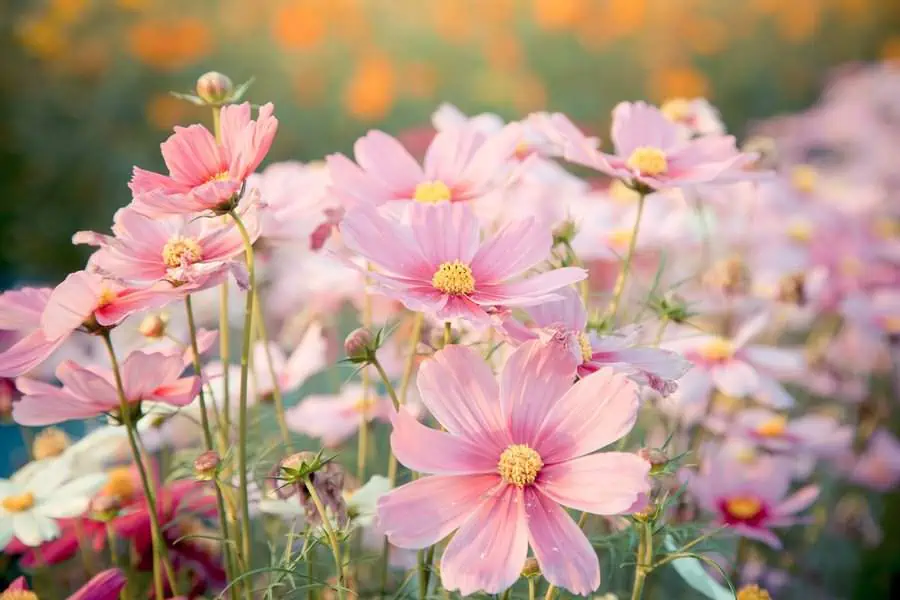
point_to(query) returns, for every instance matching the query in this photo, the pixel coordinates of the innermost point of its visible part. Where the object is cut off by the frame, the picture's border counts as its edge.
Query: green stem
(362, 445)
(160, 551)
(626, 266)
(276, 388)
(224, 356)
(387, 382)
(644, 560)
(505, 594)
(425, 571)
(448, 331)
(329, 533)
(532, 588)
(242, 404)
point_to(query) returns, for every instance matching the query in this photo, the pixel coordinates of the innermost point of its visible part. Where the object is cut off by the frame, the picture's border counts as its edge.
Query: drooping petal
(606, 483)
(798, 501)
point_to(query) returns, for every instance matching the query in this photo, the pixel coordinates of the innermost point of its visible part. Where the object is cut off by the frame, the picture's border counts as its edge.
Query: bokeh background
(83, 94)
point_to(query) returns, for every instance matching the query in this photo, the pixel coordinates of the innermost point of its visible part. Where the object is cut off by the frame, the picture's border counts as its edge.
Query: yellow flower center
(891, 324)
(753, 592)
(718, 349)
(181, 250)
(18, 595)
(120, 484)
(887, 228)
(746, 455)
(743, 507)
(800, 231)
(584, 343)
(621, 238)
(774, 427)
(50, 442)
(454, 278)
(431, 192)
(220, 176)
(648, 161)
(18, 503)
(620, 192)
(804, 178)
(677, 110)
(519, 465)
(107, 296)
(364, 405)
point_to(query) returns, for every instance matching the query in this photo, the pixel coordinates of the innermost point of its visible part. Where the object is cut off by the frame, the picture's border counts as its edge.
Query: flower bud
(50, 442)
(753, 592)
(154, 326)
(358, 343)
(564, 233)
(656, 457)
(214, 87)
(206, 466)
(531, 568)
(105, 507)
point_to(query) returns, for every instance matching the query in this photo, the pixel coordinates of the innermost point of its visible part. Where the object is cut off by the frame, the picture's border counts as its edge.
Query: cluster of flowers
(741, 309)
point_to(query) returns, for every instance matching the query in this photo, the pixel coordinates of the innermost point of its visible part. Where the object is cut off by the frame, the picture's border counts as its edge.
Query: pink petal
(445, 232)
(490, 160)
(534, 290)
(70, 304)
(87, 384)
(759, 534)
(595, 412)
(489, 550)
(180, 392)
(143, 373)
(192, 155)
(637, 124)
(307, 358)
(27, 353)
(606, 483)
(735, 378)
(428, 450)
(562, 550)
(569, 311)
(781, 362)
(385, 243)
(425, 511)
(50, 408)
(799, 501)
(383, 157)
(517, 247)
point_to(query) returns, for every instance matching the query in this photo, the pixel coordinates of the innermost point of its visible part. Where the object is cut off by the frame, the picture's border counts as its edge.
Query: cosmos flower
(206, 174)
(513, 454)
(334, 418)
(437, 264)
(307, 358)
(105, 585)
(820, 435)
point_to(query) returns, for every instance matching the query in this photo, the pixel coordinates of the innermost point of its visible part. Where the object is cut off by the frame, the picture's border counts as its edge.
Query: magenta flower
(84, 301)
(751, 501)
(205, 174)
(177, 249)
(651, 150)
(90, 392)
(334, 418)
(105, 585)
(437, 264)
(562, 323)
(513, 454)
(461, 164)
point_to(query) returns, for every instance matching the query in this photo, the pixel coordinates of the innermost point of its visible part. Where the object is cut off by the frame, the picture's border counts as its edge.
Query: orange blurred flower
(420, 80)
(558, 15)
(42, 37)
(299, 25)
(678, 82)
(370, 93)
(453, 20)
(165, 111)
(170, 44)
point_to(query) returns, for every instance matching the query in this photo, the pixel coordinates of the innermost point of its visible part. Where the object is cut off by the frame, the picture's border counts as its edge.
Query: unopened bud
(358, 343)
(753, 592)
(214, 87)
(154, 326)
(531, 568)
(105, 507)
(564, 233)
(50, 442)
(656, 457)
(206, 465)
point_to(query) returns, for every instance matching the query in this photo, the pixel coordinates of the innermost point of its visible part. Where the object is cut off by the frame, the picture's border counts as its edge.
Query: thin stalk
(114, 559)
(387, 383)
(329, 533)
(160, 552)
(626, 266)
(644, 560)
(242, 405)
(276, 388)
(362, 442)
(224, 350)
(532, 588)
(742, 554)
(506, 593)
(425, 571)
(448, 332)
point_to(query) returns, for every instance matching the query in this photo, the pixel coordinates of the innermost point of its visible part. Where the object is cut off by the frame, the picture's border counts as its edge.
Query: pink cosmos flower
(651, 151)
(334, 418)
(20, 313)
(751, 501)
(307, 358)
(82, 301)
(737, 368)
(437, 264)
(879, 466)
(90, 392)
(105, 585)
(562, 323)
(820, 435)
(178, 249)
(513, 454)
(462, 163)
(205, 174)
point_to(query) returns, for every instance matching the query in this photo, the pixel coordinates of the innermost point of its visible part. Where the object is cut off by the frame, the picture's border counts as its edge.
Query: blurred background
(84, 88)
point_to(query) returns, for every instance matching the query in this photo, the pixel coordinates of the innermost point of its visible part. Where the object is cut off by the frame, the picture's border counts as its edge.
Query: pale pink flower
(514, 453)
(878, 313)
(90, 392)
(20, 313)
(462, 163)
(562, 324)
(694, 117)
(205, 174)
(437, 263)
(751, 501)
(334, 418)
(738, 368)
(651, 151)
(879, 466)
(180, 249)
(819, 435)
(82, 301)
(290, 372)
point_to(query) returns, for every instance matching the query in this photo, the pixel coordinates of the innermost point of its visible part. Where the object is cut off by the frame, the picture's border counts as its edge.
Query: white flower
(33, 498)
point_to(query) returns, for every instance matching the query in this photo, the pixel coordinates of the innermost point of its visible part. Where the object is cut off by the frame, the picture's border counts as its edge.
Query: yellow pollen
(180, 250)
(220, 176)
(718, 349)
(19, 503)
(522, 148)
(364, 405)
(431, 192)
(891, 324)
(743, 507)
(585, 344)
(620, 238)
(676, 110)
(800, 231)
(746, 456)
(120, 484)
(19, 595)
(753, 592)
(804, 178)
(774, 427)
(519, 465)
(648, 161)
(620, 192)
(454, 278)
(887, 228)
(50, 442)
(107, 296)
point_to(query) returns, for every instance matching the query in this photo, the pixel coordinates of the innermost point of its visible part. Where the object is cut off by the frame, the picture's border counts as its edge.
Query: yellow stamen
(746, 455)
(519, 465)
(753, 592)
(773, 427)
(584, 343)
(50, 442)
(180, 250)
(743, 507)
(107, 296)
(120, 484)
(804, 178)
(677, 110)
(18, 595)
(454, 278)
(648, 161)
(800, 231)
(718, 349)
(220, 176)
(18, 503)
(432, 192)
(620, 238)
